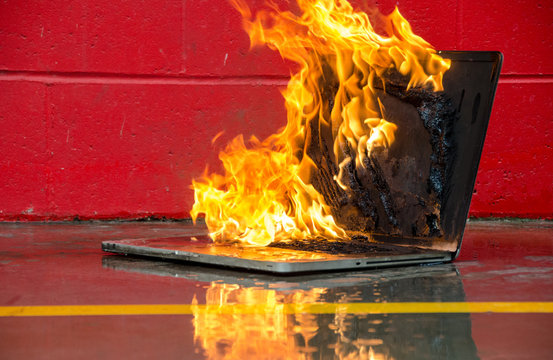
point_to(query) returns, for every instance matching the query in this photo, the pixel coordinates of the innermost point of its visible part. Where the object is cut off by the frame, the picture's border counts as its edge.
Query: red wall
(107, 108)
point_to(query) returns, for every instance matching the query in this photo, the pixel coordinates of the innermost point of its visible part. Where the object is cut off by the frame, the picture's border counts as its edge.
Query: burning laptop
(375, 166)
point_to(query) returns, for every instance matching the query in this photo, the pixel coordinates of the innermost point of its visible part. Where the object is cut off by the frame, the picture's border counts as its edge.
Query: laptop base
(272, 259)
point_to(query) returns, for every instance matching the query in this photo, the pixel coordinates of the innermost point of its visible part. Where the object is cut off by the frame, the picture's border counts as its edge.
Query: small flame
(265, 194)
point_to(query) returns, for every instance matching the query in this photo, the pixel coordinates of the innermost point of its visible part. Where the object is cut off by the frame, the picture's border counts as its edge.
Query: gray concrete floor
(62, 297)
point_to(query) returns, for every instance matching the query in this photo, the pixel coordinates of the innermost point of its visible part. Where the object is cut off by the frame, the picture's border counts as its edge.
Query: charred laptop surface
(416, 192)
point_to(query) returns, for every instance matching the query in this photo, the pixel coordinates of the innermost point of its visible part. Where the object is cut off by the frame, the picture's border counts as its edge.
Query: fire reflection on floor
(225, 329)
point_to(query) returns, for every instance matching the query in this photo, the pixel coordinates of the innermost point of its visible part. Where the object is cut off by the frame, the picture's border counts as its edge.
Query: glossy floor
(61, 297)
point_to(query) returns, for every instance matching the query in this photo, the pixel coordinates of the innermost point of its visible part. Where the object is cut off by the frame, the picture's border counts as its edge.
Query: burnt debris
(399, 190)
(357, 245)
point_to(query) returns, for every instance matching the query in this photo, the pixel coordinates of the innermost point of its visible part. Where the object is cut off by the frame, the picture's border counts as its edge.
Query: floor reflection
(224, 330)
(273, 334)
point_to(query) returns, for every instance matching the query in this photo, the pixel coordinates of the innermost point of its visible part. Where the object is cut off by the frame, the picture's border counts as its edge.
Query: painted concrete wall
(107, 108)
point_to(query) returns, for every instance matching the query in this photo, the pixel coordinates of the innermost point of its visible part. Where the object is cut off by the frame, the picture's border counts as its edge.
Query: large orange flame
(265, 194)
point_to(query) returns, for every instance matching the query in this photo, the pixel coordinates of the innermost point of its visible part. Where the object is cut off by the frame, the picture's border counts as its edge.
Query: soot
(399, 190)
(357, 245)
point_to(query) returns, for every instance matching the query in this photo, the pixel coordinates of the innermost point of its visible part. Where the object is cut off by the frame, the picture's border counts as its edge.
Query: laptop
(470, 85)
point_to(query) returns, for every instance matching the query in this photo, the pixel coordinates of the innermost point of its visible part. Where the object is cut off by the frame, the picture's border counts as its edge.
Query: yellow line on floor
(310, 308)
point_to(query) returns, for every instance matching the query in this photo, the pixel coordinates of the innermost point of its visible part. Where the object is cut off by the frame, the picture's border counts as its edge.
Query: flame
(265, 194)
